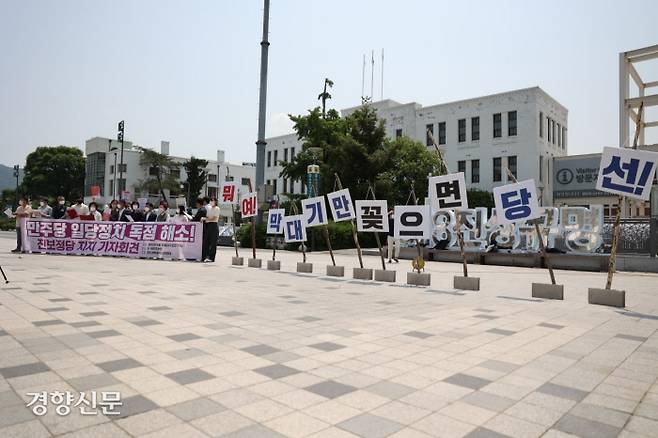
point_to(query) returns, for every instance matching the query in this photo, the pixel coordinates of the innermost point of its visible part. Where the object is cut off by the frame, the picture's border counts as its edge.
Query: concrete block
(417, 279)
(274, 265)
(254, 263)
(548, 291)
(362, 273)
(466, 283)
(382, 275)
(238, 261)
(607, 297)
(304, 267)
(335, 271)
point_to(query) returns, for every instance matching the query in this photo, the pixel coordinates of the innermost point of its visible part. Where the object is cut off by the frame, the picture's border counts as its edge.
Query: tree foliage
(54, 171)
(195, 168)
(357, 149)
(160, 167)
(480, 198)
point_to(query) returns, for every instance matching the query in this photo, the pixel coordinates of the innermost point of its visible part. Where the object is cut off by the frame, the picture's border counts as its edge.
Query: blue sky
(187, 71)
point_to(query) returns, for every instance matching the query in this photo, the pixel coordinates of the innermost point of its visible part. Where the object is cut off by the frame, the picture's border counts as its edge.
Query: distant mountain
(7, 180)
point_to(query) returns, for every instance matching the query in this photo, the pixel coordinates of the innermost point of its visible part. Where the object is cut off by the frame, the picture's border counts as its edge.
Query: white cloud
(278, 124)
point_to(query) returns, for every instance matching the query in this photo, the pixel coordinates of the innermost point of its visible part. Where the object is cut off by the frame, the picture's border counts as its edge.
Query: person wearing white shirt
(181, 217)
(80, 208)
(211, 229)
(44, 211)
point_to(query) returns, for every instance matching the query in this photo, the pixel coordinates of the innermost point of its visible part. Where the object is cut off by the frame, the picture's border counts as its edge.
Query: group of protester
(123, 211)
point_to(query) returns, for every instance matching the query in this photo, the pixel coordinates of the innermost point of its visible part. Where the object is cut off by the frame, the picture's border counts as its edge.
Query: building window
(111, 169)
(548, 129)
(285, 155)
(442, 132)
(511, 123)
(564, 137)
(276, 158)
(123, 167)
(429, 133)
(269, 182)
(553, 130)
(559, 135)
(497, 169)
(269, 158)
(398, 133)
(511, 165)
(229, 178)
(497, 125)
(274, 181)
(292, 154)
(475, 128)
(475, 171)
(212, 192)
(212, 177)
(245, 181)
(285, 185)
(461, 166)
(541, 124)
(541, 168)
(461, 130)
(175, 172)
(154, 170)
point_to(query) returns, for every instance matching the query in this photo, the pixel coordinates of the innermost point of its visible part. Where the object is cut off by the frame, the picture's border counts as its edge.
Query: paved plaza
(213, 350)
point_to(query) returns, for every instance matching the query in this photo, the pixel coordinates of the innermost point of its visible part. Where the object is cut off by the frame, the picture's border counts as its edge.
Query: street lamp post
(114, 178)
(120, 135)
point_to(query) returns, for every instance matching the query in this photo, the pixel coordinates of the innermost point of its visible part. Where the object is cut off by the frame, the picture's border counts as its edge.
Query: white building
(102, 170)
(521, 130)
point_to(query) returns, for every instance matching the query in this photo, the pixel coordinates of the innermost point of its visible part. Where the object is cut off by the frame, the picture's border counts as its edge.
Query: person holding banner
(23, 211)
(44, 211)
(59, 210)
(163, 212)
(211, 230)
(200, 216)
(93, 211)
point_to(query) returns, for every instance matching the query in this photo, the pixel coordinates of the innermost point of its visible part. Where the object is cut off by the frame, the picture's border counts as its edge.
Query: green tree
(480, 198)
(54, 171)
(195, 168)
(160, 173)
(325, 94)
(408, 164)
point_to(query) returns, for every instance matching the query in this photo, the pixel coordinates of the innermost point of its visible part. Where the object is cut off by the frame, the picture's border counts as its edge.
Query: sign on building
(371, 216)
(315, 211)
(627, 172)
(516, 202)
(448, 191)
(341, 205)
(412, 222)
(294, 229)
(576, 177)
(275, 220)
(249, 205)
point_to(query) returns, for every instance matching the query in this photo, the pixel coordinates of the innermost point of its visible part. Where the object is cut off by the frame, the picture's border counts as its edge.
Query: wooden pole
(326, 237)
(354, 235)
(379, 243)
(294, 208)
(235, 237)
(622, 203)
(420, 253)
(458, 230)
(542, 247)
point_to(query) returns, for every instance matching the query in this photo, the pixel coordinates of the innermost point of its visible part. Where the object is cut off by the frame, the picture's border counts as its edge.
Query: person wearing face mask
(123, 211)
(44, 211)
(23, 211)
(114, 211)
(181, 216)
(59, 210)
(200, 216)
(211, 230)
(163, 212)
(93, 211)
(136, 213)
(149, 214)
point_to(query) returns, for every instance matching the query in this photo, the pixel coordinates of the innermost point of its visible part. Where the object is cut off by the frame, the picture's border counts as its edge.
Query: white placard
(516, 202)
(627, 172)
(448, 191)
(371, 215)
(412, 222)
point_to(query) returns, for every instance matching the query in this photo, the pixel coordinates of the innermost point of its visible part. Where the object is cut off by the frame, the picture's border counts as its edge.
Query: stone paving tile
(277, 371)
(182, 337)
(467, 381)
(93, 382)
(631, 337)
(260, 350)
(418, 334)
(370, 426)
(327, 346)
(255, 431)
(562, 391)
(197, 408)
(48, 322)
(586, 428)
(483, 432)
(136, 404)
(118, 365)
(94, 313)
(104, 334)
(24, 370)
(330, 389)
(551, 325)
(188, 376)
(503, 332)
(83, 324)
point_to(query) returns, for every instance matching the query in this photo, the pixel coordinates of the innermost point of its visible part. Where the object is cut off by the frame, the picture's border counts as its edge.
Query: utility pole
(260, 143)
(120, 138)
